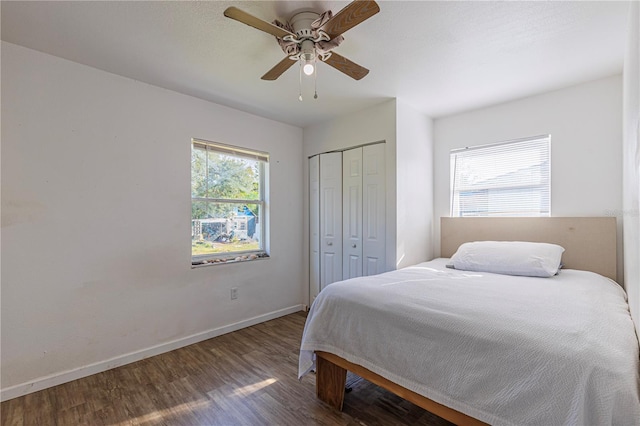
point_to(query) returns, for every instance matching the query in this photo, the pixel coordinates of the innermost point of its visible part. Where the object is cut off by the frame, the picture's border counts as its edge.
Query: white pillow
(509, 258)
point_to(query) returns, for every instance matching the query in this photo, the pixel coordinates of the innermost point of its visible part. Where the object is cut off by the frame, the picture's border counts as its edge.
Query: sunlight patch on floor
(161, 414)
(249, 389)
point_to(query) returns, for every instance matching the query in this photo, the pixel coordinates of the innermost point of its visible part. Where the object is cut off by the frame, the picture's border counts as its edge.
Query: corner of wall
(414, 165)
(631, 164)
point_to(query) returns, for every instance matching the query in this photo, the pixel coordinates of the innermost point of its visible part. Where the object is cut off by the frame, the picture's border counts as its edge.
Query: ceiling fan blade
(353, 14)
(280, 67)
(344, 65)
(252, 21)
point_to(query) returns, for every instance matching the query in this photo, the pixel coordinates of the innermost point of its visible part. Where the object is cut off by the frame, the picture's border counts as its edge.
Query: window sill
(240, 258)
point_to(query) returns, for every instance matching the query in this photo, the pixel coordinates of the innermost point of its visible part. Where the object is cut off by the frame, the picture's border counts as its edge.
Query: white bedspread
(505, 350)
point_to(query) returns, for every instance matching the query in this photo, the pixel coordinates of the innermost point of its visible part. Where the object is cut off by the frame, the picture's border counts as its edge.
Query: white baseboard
(98, 367)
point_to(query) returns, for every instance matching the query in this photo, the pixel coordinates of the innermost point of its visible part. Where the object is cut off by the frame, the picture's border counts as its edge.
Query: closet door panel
(374, 215)
(330, 218)
(352, 213)
(314, 227)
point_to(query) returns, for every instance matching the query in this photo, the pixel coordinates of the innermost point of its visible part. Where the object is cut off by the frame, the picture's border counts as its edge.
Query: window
(227, 203)
(503, 179)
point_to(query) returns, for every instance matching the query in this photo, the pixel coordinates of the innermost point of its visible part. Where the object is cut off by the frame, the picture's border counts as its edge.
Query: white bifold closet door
(330, 218)
(352, 213)
(347, 219)
(363, 211)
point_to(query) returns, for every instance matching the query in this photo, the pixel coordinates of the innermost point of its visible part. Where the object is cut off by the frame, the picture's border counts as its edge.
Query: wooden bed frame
(590, 245)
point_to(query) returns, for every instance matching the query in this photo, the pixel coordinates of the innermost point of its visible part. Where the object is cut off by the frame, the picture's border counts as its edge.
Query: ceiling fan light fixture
(308, 67)
(308, 57)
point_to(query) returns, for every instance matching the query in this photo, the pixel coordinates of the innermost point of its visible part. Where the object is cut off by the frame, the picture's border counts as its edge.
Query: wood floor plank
(248, 377)
(13, 410)
(45, 408)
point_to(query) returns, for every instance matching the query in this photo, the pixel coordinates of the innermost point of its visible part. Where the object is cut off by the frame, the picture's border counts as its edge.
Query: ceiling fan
(310, 36)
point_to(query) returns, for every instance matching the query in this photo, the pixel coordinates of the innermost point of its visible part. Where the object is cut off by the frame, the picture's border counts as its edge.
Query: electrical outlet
(234, 293)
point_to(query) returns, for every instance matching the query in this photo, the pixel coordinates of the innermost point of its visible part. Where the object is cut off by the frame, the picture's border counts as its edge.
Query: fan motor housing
(301, 23)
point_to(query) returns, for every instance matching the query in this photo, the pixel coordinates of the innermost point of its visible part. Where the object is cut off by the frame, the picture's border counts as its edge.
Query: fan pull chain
(300, 82)
(315, 79)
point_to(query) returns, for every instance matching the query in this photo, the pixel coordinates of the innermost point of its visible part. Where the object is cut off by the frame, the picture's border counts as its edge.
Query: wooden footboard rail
(331, 376)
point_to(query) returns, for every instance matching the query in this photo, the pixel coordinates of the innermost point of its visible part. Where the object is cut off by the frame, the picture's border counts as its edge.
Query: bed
(477, 348)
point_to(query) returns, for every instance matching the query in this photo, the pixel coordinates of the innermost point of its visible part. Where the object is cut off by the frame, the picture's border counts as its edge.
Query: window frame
(263, 164)
(545, 183)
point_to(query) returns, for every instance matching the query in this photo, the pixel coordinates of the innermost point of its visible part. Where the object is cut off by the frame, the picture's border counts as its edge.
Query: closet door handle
(329, 243)
(354, 246)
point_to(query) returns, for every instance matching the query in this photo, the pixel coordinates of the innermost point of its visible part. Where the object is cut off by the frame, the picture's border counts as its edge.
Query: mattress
(506, 350)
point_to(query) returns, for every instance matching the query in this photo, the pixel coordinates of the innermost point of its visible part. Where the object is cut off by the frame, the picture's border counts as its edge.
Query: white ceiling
(440, 57)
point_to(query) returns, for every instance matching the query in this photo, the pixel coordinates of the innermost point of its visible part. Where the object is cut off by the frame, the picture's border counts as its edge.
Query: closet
(346, 215)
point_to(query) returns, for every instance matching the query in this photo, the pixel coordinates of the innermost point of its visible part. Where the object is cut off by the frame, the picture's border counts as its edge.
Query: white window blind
(231, 150)
(504, 179)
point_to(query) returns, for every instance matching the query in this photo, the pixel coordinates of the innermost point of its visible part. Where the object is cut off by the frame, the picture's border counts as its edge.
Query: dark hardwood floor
(248, 377)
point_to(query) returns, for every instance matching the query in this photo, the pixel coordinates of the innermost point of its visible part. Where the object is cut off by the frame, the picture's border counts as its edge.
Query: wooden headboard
(589, 242)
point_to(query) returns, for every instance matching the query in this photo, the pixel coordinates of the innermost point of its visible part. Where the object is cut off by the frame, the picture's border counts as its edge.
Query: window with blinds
(227, 203)
(503, 179)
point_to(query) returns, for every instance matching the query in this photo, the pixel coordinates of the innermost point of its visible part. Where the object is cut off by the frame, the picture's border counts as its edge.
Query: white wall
(414, 193)
(631, 164)
(584, 122)
(96, 266)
